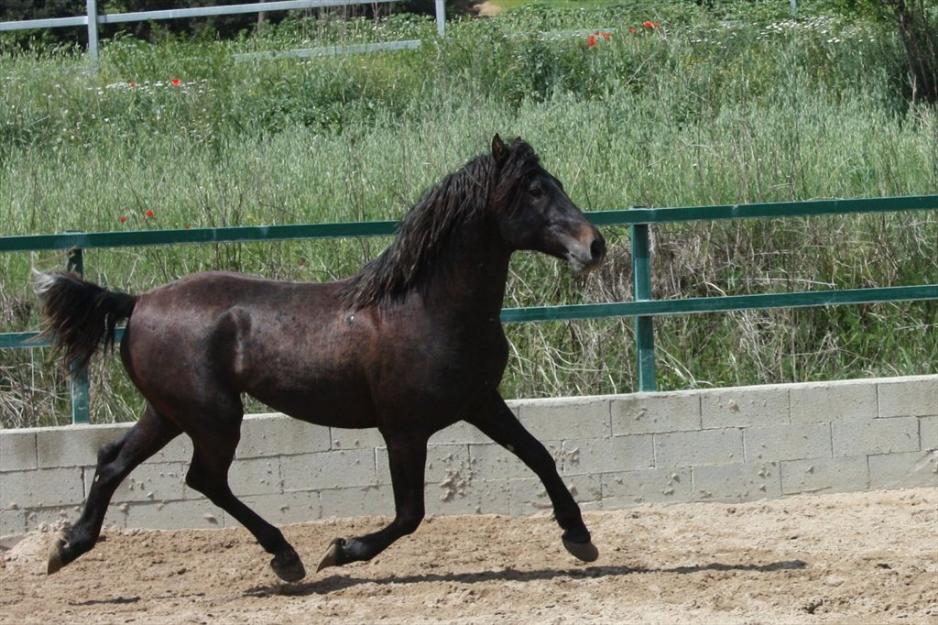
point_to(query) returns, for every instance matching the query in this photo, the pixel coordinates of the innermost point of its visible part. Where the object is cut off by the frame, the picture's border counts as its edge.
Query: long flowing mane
(460, 197)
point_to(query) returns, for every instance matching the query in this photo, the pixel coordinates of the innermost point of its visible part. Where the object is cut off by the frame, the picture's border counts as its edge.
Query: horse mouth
(580, 266)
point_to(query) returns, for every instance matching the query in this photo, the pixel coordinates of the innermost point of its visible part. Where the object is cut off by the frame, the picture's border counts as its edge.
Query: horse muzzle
(587, 251)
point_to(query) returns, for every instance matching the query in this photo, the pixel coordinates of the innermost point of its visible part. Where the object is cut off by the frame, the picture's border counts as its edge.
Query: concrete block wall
(731, 444)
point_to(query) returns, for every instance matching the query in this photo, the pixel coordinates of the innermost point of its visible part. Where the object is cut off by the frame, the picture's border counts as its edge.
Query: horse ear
(499, 150)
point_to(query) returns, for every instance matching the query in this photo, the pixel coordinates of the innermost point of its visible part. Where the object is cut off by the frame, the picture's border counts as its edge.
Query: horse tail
(80, 316)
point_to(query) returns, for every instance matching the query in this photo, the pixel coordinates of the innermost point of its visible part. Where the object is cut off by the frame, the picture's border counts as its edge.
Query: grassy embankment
(709, 108)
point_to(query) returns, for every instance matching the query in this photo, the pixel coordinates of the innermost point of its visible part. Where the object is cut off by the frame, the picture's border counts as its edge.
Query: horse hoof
(56, 555)
(586, 552)
(288, 566)
(333, 555)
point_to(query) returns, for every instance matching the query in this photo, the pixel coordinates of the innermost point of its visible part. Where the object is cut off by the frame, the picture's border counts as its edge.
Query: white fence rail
(92, 18)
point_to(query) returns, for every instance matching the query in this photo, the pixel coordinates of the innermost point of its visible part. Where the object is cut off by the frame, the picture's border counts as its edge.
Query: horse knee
(212, 488)
(195, 480)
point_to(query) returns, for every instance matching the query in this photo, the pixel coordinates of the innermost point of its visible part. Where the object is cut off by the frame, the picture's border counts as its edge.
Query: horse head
(535, 213)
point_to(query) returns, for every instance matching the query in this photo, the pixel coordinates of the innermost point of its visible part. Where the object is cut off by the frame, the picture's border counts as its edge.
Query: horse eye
(536, 190)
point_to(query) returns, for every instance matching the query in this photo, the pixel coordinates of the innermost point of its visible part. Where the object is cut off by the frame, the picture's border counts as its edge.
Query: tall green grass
(704, 109)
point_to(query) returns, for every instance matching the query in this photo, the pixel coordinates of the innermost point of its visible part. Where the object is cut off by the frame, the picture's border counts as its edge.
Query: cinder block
(475, 497)
(41, 488)
(529, 496)
(151, 481)
(877, 436)
(825, 402)
(838, 474)
(737, 482)
(365, 438)
(461, 496)
(440, 501)
(116, 515)
(12, 522)
(75, 445)
(178, 450)
(55, 516)
(282, 508)
(328, 469)
(745, 407)
(195, 513)
(557, 419)
(928, 432)
(788, 442)
(682, 449)
(648, 413)
(375, 500)
(459, 433)
(494, 462)
(18, 450)
(908, 470)
(444, 463)
(629, 488)
(255, 476)
(604, 455)
(276, 435)
(908, 398)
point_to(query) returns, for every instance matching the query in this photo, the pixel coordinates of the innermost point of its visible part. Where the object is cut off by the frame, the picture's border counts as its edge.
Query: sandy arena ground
(856, 558)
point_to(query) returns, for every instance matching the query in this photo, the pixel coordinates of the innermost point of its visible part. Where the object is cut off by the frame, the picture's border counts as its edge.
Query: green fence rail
(643, 308)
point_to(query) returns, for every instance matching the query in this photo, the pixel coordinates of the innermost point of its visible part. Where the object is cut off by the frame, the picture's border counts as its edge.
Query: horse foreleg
(407, 460)
(115, 461)
(498, 423)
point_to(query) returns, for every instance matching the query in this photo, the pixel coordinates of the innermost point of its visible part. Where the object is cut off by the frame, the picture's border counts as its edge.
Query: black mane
(460, 197)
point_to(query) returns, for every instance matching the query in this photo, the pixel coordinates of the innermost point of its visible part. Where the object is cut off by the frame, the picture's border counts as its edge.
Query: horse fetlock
(408, 525)
(288, 566)
(577, 534)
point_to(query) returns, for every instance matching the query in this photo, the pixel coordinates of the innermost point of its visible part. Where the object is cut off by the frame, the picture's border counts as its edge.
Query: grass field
(738, 105)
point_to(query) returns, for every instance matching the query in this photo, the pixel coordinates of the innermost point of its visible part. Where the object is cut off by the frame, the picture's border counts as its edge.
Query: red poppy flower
(607, 36)
(632, 30)
(649, 24)
(590, 41)
(175, 82)
(122, 219)
(149, 213)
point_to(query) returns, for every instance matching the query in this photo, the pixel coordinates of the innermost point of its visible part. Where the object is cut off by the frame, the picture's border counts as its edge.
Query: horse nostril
(598, 248)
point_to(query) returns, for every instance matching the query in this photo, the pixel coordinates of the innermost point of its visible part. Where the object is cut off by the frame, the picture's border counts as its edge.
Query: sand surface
(854, 558)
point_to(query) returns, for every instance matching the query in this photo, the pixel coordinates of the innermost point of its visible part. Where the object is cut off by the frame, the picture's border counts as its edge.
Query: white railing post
(794, 6)
(93, 30)
(440, 18)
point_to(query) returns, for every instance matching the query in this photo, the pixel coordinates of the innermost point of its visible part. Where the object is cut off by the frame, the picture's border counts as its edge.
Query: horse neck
(469, 279)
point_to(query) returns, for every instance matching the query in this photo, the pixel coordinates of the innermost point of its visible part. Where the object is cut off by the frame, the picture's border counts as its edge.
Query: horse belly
(330, 404)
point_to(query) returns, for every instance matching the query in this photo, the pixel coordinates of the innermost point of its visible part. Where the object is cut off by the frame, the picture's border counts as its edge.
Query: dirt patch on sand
(862, 557)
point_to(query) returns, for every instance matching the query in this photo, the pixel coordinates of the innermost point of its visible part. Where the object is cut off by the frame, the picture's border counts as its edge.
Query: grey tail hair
(80, 316)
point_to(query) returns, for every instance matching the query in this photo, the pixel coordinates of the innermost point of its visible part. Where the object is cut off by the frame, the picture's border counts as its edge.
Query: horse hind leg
(115, 461)
(208, 474)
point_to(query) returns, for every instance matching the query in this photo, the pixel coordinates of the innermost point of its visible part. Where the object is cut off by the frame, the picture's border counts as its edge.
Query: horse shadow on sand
(335, 583)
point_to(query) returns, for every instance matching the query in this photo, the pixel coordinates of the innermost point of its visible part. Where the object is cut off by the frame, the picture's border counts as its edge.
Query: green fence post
(644, 326)
(78, 376)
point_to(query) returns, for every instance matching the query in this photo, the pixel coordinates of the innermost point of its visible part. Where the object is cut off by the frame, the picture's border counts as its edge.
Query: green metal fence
(643, 308)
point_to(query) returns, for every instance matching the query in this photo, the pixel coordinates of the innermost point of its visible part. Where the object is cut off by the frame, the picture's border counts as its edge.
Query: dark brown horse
(410, 345)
